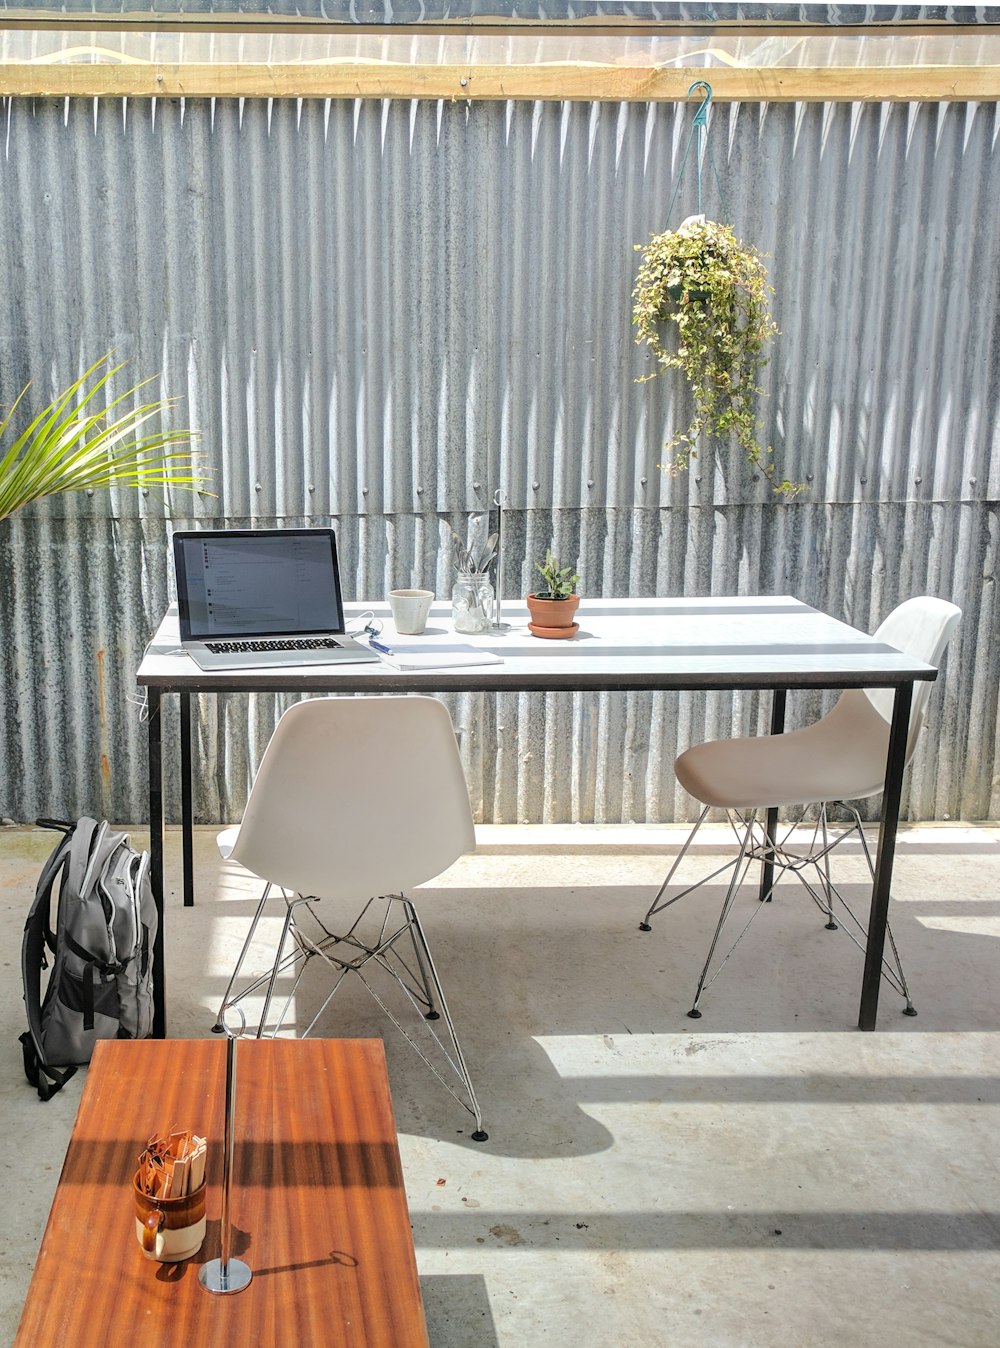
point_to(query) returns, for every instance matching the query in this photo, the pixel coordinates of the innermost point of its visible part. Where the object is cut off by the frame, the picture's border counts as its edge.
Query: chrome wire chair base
(811, 867)
(397, 946)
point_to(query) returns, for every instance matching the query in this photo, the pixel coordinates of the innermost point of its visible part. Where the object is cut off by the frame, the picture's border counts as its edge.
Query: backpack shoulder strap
(46, 1080)
(38, 934)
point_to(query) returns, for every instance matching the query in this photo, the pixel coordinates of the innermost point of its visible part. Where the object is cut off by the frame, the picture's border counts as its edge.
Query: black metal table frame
(485, 679)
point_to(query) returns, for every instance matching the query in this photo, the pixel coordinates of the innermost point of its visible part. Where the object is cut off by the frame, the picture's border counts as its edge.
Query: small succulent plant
(560, 581)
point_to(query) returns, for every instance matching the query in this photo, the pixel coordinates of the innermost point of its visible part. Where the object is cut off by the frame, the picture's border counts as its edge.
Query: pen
(377, 646)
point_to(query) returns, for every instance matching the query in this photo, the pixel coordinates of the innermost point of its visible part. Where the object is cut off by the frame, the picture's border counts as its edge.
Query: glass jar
(472, 603)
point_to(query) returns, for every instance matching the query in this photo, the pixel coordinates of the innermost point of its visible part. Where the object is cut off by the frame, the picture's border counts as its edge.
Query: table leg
(154, 731)
(771, 826)
(187, 812)
(891, 796)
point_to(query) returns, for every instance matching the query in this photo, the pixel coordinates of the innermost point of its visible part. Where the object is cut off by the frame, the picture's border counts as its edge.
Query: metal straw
(225, 1274)
(499, 500)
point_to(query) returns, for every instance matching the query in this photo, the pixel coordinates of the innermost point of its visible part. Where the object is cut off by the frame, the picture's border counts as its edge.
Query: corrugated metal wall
(381, 312)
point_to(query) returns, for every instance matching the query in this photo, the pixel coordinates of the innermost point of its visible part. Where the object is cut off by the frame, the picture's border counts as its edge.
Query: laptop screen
(257, 582)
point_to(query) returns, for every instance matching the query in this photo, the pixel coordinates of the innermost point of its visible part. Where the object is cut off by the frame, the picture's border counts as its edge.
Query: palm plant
(81, 442)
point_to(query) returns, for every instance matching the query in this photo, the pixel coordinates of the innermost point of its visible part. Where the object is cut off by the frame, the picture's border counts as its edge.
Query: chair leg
(902, 987)
(427, 961)
(219, 1026)
(656, 906)
(831, 922)
(422, 988)
(823, 891)
(419, 949)
(276, 966)
(418, 983)
(828, 892)
(739, 873)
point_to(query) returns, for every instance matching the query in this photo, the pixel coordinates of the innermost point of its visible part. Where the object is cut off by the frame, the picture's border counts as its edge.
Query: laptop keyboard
(279, 644)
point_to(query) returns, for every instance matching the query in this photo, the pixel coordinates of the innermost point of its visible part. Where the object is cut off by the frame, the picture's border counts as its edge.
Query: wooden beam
(548, 82)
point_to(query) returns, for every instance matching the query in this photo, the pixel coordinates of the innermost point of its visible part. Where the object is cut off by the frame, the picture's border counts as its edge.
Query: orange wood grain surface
(317, 1203)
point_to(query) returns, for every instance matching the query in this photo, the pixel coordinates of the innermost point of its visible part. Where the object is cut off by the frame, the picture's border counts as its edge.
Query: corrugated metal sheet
(380, 312)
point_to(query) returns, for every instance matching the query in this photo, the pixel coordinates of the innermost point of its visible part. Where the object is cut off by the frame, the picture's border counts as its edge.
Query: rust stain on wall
(100, 689)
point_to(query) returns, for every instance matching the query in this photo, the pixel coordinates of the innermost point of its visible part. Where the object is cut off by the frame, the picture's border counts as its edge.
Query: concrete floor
(767, 1175)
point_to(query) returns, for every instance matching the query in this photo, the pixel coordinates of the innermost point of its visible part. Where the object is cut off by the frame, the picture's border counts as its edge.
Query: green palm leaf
(79, 444)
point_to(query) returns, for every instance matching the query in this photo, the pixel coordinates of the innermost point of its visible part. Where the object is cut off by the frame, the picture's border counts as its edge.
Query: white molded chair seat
(358, 799)
(841, 757)
(226, 841)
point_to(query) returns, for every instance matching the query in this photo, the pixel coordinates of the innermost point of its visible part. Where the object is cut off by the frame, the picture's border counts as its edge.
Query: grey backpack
(101, 981)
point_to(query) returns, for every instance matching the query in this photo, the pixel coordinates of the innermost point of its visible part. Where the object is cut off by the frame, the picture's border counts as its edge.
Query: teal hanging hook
(700, 128)
(701, 116)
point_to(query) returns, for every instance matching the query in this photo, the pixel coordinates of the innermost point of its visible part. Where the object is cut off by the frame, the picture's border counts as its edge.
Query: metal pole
(225, 1274)
(499, 500)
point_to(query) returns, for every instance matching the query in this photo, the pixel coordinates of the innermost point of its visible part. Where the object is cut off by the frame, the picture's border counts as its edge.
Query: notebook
(261, 598)
(456, 655)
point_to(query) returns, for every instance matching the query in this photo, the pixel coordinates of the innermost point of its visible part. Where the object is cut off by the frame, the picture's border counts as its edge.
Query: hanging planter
(701, 306)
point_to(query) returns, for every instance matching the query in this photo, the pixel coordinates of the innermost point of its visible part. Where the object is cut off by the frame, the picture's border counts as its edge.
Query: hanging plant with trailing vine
(702, 307)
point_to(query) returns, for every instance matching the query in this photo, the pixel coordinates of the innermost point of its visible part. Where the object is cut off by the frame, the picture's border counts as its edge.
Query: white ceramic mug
(409, 610)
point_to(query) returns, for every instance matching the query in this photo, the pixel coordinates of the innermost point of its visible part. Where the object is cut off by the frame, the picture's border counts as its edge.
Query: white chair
(357, 799)
(839, 758)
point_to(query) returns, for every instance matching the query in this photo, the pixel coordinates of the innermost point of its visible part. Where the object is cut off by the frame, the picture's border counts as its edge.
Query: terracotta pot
(553, 617)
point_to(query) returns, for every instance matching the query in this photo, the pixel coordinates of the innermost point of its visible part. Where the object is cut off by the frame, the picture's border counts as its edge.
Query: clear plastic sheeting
(753, 49)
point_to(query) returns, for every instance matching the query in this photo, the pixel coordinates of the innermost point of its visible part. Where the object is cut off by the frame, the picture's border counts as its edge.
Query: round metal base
(233, 1278)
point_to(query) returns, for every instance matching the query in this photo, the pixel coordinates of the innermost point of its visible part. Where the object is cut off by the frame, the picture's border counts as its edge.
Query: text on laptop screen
(254, 584)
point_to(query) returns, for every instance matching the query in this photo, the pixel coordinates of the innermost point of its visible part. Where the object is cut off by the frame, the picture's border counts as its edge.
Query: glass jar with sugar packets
(472, 602)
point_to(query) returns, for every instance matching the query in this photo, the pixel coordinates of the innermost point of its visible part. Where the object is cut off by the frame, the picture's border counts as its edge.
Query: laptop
(262, 599)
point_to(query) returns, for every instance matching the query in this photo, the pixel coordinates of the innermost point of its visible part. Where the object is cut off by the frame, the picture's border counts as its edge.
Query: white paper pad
(439, 657)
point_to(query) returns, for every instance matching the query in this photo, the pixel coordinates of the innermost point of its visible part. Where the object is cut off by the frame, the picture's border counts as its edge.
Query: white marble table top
(721, 642)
